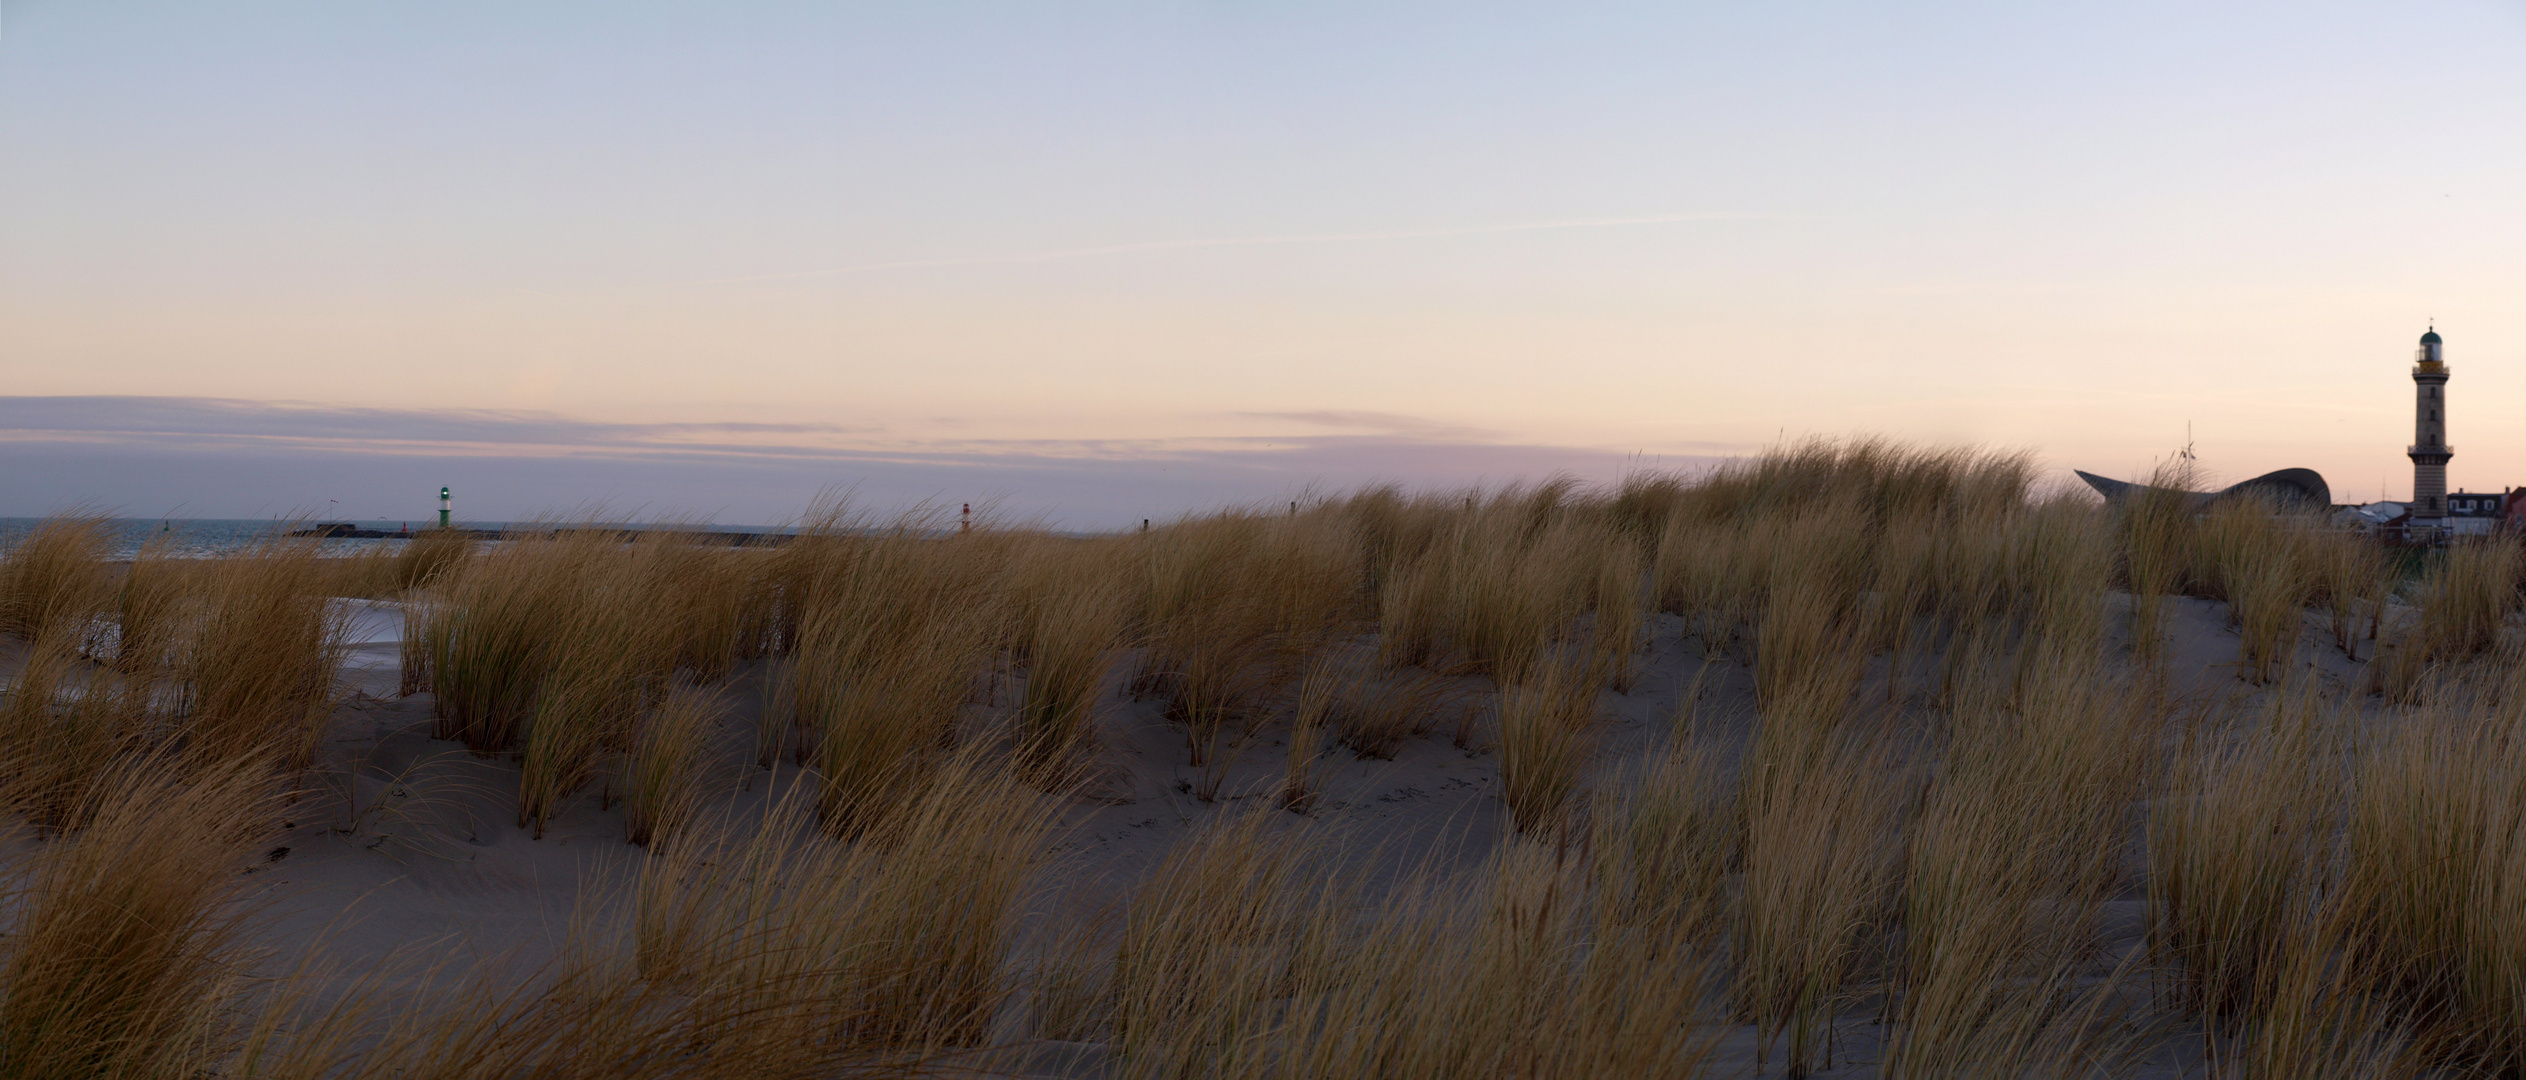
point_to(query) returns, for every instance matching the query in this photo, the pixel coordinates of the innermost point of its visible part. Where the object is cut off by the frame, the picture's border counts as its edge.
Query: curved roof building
(2289, 489)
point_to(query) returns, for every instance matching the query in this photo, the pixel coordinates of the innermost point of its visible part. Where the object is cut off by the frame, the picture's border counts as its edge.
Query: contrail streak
(1023, 258)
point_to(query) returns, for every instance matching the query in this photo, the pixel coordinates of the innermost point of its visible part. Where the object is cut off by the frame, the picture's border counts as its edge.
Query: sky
(1095, 262)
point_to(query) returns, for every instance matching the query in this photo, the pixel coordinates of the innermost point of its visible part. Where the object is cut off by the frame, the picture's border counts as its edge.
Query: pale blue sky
(936, 249)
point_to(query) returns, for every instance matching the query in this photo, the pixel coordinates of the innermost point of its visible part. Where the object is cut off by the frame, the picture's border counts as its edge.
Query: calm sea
(202, 537)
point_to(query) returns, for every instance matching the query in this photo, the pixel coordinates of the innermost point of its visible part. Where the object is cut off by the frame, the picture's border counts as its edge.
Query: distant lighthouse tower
(2429, 435)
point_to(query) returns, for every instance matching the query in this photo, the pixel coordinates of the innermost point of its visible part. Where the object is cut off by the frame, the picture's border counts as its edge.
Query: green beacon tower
(443, 506)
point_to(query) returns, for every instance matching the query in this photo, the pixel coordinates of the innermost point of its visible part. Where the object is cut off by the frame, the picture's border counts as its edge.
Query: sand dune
(1791, 791)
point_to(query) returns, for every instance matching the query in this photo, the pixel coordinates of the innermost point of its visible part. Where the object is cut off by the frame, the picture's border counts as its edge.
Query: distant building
(2285, 489)
(2369, 517)
(2469, 513)
(2432, 516)
(2476, 514)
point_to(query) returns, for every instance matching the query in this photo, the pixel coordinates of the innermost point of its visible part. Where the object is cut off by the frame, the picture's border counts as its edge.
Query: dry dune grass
(1373, 712)
(55, 579)
(890, 637)
(1248, 955)
(2231, 845)
(555, 647)
(1235, 604)
(762, 949)
(56, 750)
(178, 661)
(432, 554)
(2019, 843)
(1972, 803)
(1497, 587)
(259, 662)
(120, 955)
(2352, 580)
(150, 610)
(1490, 974)
(2158, 534)
(2264, 571)
(1824, 833)
(890, 942)
(1546, 736)
(2430, 879)
(1074, 632)
(2336, 902)
(1205, 946)
(662, 788)
(1664, 846)
(2464, 598)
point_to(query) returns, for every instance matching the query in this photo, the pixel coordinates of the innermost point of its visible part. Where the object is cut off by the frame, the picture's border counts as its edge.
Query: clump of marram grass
(1235, 602)
(662, 788)
(1621, 615)
(158, 593)
(1199, 962)
(2431, 876)
(119, 947)
(2464, 600)
(2327, 1017)
(892, 639)
(259, 666)
(217, 658)
(767, 951)
(1664, 845)
(54, 581)
(1503, 581)
(1825, 815)
(430, 555)
(1309, 717)
(2018, 845)
(1077, 634)
(1643, 504)
(2156, 528)
(1702, 572)
(2058, 576)
(414, 649)
(60, 732)
(1217, 667)
(1807, 623)
(704, 601)
(494, 631)
(2352, 582)
(877, 712)
(2260, 564)
(585, 707)
(554, 645)
(2235, 850)
(1374, 713)
(1547, 738)
(1490, 972)
(1722, 551)
(1901, 585)
(893, 942)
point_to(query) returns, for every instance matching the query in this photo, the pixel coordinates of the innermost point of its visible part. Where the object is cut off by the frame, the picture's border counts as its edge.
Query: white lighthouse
(2430, 451)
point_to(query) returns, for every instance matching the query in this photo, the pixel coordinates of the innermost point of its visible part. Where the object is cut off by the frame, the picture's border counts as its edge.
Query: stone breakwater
(347, 531)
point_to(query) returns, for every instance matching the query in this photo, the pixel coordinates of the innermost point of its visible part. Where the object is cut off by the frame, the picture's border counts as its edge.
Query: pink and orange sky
(1101, 262)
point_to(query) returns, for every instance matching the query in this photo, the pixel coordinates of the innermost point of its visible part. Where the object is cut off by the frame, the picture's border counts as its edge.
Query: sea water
(198, 538)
